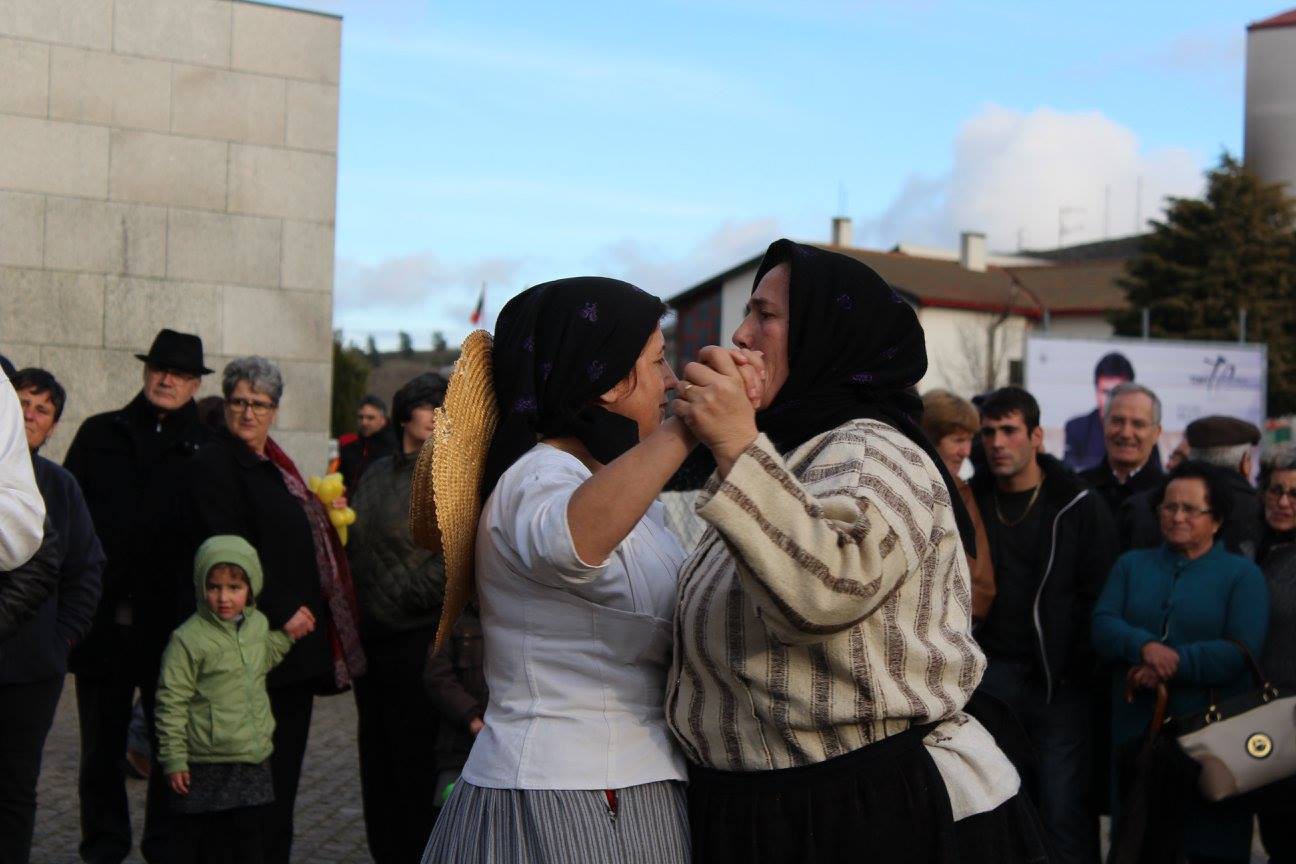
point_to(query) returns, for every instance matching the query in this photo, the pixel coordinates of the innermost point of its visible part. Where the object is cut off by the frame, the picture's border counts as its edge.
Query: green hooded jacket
(212, 704)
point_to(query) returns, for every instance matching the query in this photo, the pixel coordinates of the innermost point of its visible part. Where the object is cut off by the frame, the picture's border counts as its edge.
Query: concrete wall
(169, 163)
(1268, 147)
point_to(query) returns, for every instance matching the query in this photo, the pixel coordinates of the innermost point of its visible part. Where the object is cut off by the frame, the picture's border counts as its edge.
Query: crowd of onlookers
(98, 580)
(1089, 588)
(1124, 575)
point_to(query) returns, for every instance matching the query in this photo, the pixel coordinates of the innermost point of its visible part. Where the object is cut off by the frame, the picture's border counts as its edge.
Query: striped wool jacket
(827, 607)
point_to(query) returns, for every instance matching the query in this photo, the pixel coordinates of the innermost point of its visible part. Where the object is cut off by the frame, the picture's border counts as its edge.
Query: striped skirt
(561, 826)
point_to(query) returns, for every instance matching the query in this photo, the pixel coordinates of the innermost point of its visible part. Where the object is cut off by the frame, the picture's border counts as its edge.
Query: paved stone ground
(330, 824)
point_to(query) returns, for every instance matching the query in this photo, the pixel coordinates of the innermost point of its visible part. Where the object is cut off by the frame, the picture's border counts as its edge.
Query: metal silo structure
(1269, 147)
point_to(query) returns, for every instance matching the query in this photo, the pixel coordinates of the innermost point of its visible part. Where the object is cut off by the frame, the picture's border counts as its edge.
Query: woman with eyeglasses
(1276, 805)
(1171, 615)
(243, 483)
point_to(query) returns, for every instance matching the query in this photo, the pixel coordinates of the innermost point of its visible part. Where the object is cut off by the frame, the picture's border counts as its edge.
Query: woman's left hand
(339, 503)
(713, 400)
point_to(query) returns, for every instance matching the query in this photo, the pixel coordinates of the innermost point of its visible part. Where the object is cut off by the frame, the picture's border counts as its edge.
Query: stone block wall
(169, 163)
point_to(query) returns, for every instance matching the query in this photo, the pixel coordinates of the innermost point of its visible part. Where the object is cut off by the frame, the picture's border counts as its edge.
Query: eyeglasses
(259, 409)
(1190, 511)
(1278, 493)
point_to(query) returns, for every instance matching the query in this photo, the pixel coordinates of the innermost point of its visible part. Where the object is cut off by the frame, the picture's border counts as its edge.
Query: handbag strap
(1256, 673)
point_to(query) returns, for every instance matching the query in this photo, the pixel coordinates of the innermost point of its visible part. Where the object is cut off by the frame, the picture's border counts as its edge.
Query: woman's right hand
(1142, 677)
(713, 400)
(1163, 659)
(179, 782)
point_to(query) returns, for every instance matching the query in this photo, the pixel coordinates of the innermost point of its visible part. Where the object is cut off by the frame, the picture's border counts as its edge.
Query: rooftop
(1084, 286)
(1282, 19)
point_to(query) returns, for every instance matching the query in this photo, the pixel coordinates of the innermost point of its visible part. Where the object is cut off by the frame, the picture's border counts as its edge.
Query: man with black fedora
(130, 464)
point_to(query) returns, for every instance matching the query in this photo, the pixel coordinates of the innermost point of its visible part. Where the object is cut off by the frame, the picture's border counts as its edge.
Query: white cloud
(420, 292)
(1013, 172)
(417, 281)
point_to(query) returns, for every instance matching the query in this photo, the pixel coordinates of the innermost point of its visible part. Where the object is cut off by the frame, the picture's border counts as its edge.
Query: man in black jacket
(33, 662)
(399, 587)
(130, 466)
(1131, 427)
(375, 439)
(1053, 543)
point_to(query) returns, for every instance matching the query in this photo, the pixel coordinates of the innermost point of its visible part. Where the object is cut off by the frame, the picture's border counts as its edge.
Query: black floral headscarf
(855, 350)
(558, 346)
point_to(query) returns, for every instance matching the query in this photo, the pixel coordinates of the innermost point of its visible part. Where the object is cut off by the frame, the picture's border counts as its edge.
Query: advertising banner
(1070, 379)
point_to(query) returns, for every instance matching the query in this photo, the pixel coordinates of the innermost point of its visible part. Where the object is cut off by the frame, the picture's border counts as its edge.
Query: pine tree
(1235, 249)
(350, 378)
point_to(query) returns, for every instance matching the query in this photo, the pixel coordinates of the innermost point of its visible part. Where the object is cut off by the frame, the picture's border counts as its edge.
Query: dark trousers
(225, 837)
(1276, 811)
(104, 706)
(26, 714)
(1061, 733)
(396, 733)
(292, 706)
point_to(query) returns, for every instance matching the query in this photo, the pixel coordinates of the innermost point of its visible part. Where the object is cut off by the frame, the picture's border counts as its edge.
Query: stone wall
(169, 163)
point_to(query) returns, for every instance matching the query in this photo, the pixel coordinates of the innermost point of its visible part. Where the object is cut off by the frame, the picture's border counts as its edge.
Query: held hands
(717, 401)
(475, 725)
(301, 623)
(1161, 659)
(179, 782)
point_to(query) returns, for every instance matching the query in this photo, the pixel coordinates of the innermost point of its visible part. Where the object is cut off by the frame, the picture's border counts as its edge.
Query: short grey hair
(263, 376)
(1229, 456)
(1281, 458)
(1130, 387)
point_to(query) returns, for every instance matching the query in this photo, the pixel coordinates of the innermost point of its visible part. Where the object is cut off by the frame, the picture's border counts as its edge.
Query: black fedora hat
(182, 352)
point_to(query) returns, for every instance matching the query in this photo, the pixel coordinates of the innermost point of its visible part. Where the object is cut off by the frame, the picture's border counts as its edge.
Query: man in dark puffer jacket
(400, 588)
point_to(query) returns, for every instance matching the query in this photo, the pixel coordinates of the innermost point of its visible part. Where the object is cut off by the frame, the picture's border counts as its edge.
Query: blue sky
(662, 141)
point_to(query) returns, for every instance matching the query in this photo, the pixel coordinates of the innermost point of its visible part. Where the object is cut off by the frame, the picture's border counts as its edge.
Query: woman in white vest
(575, 577)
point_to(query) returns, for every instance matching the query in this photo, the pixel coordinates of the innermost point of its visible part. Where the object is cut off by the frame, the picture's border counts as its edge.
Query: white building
(975, 307)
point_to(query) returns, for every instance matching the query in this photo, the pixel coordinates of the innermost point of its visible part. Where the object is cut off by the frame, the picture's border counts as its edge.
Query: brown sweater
(983, 578)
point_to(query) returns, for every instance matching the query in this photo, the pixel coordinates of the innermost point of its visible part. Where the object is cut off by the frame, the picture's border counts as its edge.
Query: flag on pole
(481, 307)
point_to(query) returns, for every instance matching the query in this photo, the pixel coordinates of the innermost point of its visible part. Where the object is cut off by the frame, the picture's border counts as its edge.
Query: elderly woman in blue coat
(1170, 615)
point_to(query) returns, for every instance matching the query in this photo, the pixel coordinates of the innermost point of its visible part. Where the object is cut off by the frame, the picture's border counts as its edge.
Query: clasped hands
(717, 398)
(1160, 662)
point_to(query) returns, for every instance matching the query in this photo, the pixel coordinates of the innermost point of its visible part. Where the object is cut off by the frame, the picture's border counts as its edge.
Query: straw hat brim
(445, 493)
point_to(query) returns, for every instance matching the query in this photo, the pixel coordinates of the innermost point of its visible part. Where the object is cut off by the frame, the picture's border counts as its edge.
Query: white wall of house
(733, 301)
(958, 349)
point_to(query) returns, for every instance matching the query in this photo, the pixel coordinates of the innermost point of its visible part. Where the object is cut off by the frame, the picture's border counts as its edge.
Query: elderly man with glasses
(129, 463)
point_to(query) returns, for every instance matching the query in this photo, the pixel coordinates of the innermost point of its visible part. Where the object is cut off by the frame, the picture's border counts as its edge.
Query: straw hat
(445, 494)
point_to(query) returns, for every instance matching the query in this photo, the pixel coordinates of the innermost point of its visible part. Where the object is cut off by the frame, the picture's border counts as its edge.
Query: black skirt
(884, 802)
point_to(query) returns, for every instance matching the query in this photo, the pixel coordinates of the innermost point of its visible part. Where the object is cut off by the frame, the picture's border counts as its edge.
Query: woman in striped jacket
(823, 649)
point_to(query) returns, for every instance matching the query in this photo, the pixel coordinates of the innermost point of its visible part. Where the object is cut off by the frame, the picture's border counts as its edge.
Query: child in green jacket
(214, 724)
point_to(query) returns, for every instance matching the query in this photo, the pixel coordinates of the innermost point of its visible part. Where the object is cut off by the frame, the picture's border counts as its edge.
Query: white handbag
(1244, 743)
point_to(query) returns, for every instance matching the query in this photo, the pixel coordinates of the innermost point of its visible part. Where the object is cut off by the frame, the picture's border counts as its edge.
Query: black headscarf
(558, 346)
(855, 350)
